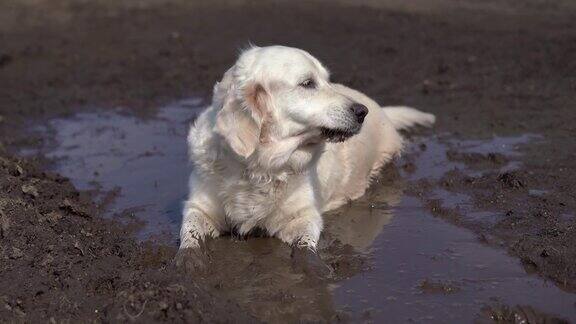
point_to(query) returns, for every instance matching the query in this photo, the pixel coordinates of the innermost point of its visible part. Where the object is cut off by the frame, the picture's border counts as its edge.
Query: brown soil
(60, 261)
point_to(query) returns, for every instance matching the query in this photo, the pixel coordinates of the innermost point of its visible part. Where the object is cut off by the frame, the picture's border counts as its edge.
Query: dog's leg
(203, 217)
(302, 232)
(196, 225)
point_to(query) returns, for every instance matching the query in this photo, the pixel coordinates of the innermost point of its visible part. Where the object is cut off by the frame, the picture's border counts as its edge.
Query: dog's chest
(246, 201)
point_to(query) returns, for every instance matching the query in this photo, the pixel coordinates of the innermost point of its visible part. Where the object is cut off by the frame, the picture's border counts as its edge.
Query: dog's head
(278, 103)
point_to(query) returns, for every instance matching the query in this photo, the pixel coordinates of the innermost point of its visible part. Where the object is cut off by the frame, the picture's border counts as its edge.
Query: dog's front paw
(308, 261)
(192, 259)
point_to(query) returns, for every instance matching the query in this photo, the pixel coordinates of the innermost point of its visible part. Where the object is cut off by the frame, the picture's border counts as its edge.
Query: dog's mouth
(333, 135)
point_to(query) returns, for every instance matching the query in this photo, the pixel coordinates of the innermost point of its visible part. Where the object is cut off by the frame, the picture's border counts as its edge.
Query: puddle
(419, 267)
(433, 155)
(537, 192)
(503, 145)
(145, 160)
(416, 251)
(416, 248)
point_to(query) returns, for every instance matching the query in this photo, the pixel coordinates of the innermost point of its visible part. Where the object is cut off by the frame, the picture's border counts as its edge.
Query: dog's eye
(308, 84)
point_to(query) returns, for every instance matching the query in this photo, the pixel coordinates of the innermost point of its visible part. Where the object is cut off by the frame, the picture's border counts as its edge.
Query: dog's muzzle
(336, 135)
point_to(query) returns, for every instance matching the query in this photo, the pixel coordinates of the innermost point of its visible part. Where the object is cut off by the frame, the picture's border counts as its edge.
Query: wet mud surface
(474, 223)
(60, 261)
(392, 259)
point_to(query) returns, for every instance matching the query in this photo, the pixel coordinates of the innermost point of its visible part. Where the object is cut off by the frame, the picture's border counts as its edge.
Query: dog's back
(346, 169)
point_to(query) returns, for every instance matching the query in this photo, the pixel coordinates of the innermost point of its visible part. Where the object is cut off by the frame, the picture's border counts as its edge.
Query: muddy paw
(192, 259)
(308, 261)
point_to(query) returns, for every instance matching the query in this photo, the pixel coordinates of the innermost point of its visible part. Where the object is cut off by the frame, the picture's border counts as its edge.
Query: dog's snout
(360, 111)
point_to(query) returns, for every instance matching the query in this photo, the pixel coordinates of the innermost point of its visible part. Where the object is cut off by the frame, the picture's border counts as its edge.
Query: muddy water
(425, 269)
(141, 163)
(393, 260)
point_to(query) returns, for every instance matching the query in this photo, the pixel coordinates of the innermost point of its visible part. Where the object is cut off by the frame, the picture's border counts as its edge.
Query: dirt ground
(505, 68)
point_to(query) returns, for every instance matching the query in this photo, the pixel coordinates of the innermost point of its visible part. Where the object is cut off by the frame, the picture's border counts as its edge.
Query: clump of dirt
(437, 287)
(511, 180)
(5, 59)
(61, 262)
(518, 314)
(478, 160)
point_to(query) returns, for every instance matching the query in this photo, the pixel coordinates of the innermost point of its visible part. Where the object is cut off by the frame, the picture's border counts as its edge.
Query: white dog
(280, 145)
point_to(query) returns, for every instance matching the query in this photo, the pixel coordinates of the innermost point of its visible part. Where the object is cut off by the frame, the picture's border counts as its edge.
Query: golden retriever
(280, 145)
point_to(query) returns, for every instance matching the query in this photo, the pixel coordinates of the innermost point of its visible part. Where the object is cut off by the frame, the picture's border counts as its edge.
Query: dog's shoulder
(201, 139)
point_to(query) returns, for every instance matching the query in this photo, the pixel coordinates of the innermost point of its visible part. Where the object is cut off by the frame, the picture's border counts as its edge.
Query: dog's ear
(242, 115)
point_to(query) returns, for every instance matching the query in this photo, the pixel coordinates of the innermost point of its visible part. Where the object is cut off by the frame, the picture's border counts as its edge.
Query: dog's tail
(406, 117)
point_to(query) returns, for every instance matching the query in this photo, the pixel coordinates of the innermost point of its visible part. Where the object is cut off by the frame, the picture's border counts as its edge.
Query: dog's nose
(360, 111)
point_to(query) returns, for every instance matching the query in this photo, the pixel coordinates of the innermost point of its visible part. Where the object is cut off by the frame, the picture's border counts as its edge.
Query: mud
(497, 172)
(392, 260)
(59, 261)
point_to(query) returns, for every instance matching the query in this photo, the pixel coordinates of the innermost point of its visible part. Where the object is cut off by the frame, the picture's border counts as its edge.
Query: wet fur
(261, 159)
